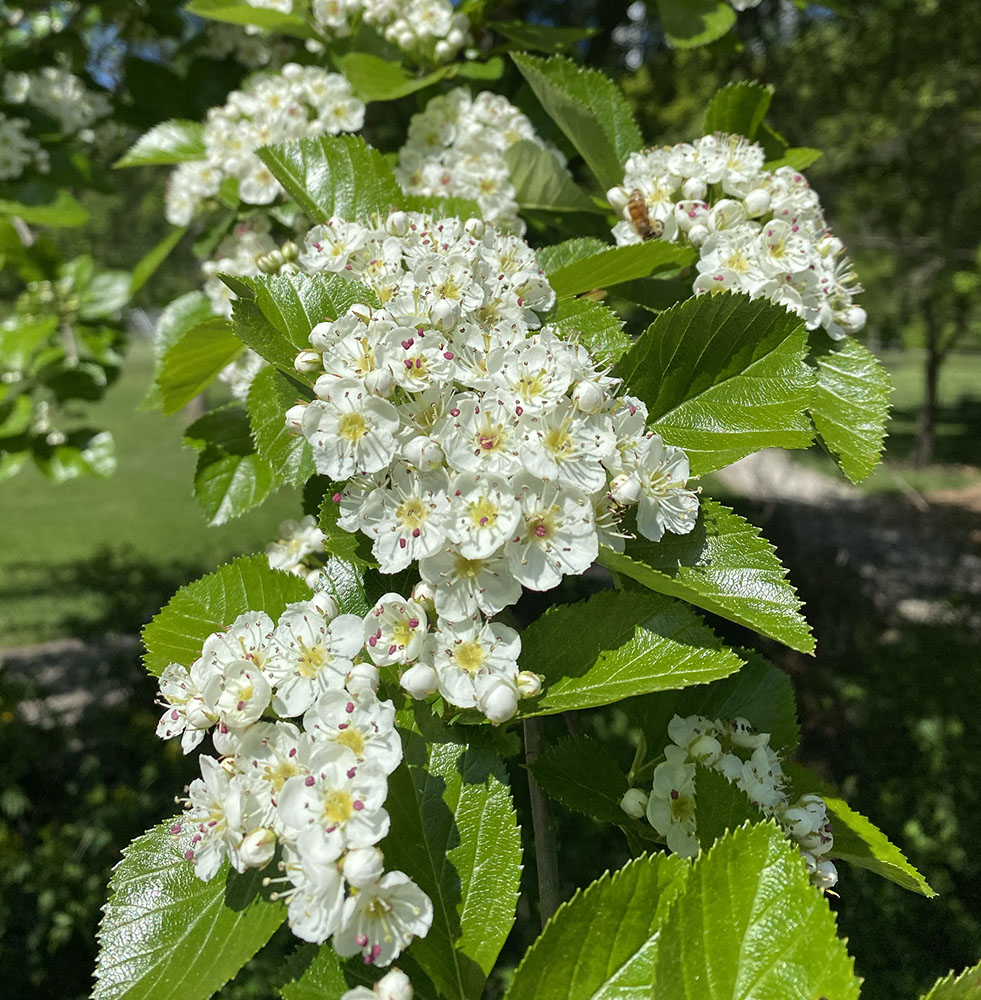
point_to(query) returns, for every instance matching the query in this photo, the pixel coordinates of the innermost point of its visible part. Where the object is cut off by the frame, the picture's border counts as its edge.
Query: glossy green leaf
(748, 925)
(178, 317)
(243, 13)
(256, 332)
(589, 108)
(344, 582)
(601, 945)
(289, 455)
(560, 255)
(194, 361)
(966, 986)
(738, 108)
(720, 807)
(352, 547)
(322, 979)
(689, 23)
(454, 829)
(37, 203)
(595, 326)
(617, 264)
(334, 175)
(166, 935)
(724, 376)
(207, 605)
(850, 403)
(615, 645)
(724, 566)
(83, 453)
(172, 141)
(377, 79)
(541, 182)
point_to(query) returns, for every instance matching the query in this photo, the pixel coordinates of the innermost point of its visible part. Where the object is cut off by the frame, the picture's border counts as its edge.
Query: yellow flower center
(483, 513)
(469, 569)
(402, 633)
(311, 659)
(352, 426)
(279, 773)
(412, 513)
(352, 739)
(558, 441)
(469, 656)
(338, 806)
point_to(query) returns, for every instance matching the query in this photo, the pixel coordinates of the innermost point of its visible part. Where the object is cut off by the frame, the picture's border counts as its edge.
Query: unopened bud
(423, 453)
(308, 361)
(257, 848)
(588, 397)
(322, 337)
(529, 684)
(474, 227)
(697, 235)
(618, 198)
(625, 489)
(757, 202)
(362, 677)
(289, 250)
(198, 716)
(694, 189)
(445, 314)
(270, 263)
(380, 382)
(852, 319)
(363, 865)
(394, 985)
(442, 50)
(424, 594)
(419, 681)
(727, 213)
(634, 803)
(498, 700)
(397, 224)
(294, 418)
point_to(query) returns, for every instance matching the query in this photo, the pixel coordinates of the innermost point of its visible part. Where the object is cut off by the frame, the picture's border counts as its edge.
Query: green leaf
(256, 332)
(454, 828)
(230, 477)
(748, 925)
(541, 37)
(377, 79)
(40, 204)
(602, 944)
(560, 255)
(850, 404)
(655, 294)
(589, 108)
(352, 547)
(104, 295)
(15, 416)
(966, 986)
(334, 175)
(146, 268)
(583, 775)
(616, 264)
(344, 583)
(615, 645)
(798, 157)
(591, 324)
(760, 693)
(20, 339)
(724, 566)
(738, 108)
(166, 934)
(191, 364)
(177, 318)
(84, 453)
(723, 376)
(289, 455)
(322, 979)
(721, 807)
(541, 182)
(296, 303)
(242, 12)
(689, 23)
(207, 605)
(856, 839)
(173, 141)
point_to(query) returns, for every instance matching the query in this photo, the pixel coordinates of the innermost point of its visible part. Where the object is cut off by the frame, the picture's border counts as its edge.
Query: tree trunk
(926, 429)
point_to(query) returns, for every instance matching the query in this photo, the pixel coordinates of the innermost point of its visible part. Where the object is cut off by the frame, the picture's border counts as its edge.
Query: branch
(546, 853)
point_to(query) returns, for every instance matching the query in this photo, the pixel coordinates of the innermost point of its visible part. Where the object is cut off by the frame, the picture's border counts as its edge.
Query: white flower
(480, 435)
(315, 905)
(661, 473)
(394, 630)
(238, 695)
(671, 806)
(466, 655)
(217, 807)
(185, 713)
(297, 540)
(565, 445)
(463, 586)
(383, 918)
(484, 514)
(365, 725)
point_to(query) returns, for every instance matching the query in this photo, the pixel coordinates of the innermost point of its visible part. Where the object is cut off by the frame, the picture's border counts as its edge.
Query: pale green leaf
(614, 265)
(689, 23)
(541, 182)
(615, 645)
(375, 79)
(243, 13)
(723, 376)
(798, 157)
(214, 601)
(334, 175)
(724, 566)
(966, 986)
(593, 325)
(166, 935)
(194, 361)
(289, 455)
(454, 829)
(601, 945)
(738, 108)
(172, 141)
(148, 265)
(748, 925)
(83, 453)
(589, 108)
(850, 403)
(39, 204)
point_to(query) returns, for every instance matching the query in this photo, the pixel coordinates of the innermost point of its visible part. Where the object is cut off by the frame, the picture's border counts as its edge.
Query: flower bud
(618, 198)
(757, 202)
(498, 700)
(198, 716)
(694, 189)
(258, 847)
(588, 397)
(226, 743)
(289, 250)
(380, 382)
(423, 453)
(424, 594)
(322, 337)
(308, 361)
(852, 319)
(445, 314)
(727, 213)
(419, 681)
(394, 985)
(634, 803)
(442, 50)
(325, 604)
(270, 263)
(625, 489)
(474, 227)
(362, 677)
(294, 418)
(697, 235)
(363, 865)
(529, 684)
(292, 71)
(397, 224)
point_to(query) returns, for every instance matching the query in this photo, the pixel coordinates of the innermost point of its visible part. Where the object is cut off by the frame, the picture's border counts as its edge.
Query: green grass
(102, 555)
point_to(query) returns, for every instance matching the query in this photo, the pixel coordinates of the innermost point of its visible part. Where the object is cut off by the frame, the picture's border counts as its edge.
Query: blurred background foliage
(891, 92)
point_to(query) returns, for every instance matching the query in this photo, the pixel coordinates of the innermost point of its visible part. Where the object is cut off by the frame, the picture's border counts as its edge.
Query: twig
(546, 853)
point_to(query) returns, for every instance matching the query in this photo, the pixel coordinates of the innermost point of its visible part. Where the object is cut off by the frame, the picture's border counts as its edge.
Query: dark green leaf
(541, 182)
(599, 329)
(724, 566)
(322, 979)
(723, 376)
(541, 37)
(689, 23)
(655, 294)
(738, 108)
(207, 605)
(616, 264)
(721, 807)
(173, 141)
(289, 455)
(165, 933)
(352, 547)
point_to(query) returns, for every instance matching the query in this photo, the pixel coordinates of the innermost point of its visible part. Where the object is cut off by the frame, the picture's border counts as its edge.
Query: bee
(644, 226)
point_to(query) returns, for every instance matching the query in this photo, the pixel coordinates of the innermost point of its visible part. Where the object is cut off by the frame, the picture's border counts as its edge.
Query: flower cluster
(298, 102)
(316, 789)
(467, 439)
(756, 231)
(58, 94)
(456, 147)
(732, 748)
(298, 540)
(18, 150)
(427, 29)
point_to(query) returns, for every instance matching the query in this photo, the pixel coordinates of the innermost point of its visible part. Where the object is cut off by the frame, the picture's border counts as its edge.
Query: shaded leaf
(689, 23)
(738, 108)
(541, 37)
(966, 986)
(720, 807)
(40, 204)
(148, 265)
(83, 453)
(541, 182)
(377, 79)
